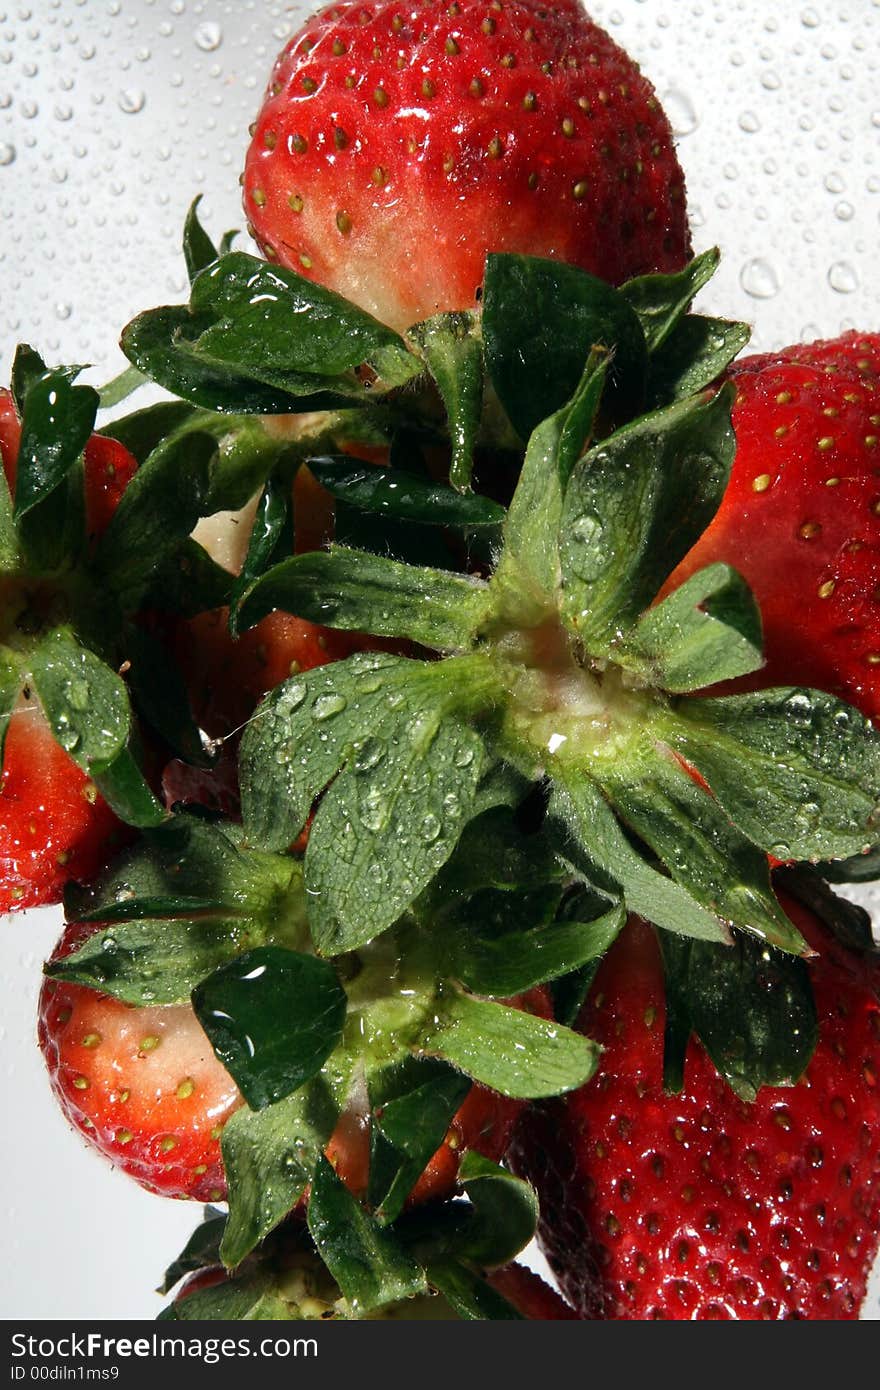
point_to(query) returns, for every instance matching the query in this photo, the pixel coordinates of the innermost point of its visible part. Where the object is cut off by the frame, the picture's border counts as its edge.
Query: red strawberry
(701, 1205)
(144, 1086)
(801, 516)
(397, 144)
(53, 824)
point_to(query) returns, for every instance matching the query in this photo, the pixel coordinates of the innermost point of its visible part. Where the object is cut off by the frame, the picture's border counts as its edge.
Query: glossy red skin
(408, 174)
(702, 1206)
(53, 824)
(801, 519)
(124, 1098)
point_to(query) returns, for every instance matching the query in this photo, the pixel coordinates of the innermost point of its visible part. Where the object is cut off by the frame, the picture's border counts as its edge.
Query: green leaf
(10, 689)
(354, 590)
(57, 421)
(199, 250)
(529, 565)
(250, 1298)
(861, 868)
(660, 301)
(635, 505)
(509, 1051)
(392, 492)
(513, 961)
(201, 1251)
(27, 369)
(414, 1102)
(709, 857)
(541, 321)
(496, 854)
(708, 630)
(694, 356)
(271, 521)
(160, 344)
(268, 1157)
(144, 429)
(602, 852)
(182, 901)
(85, 702)
(450, 346)
(798, 771)
(292, 333)
(365, 1259)
(505, 1212)
(160, 696)
(469, 1295)
(849, 922)
(124, 787)
(382, 832)
(273, 1017)
(187, 582)
(752, 1008)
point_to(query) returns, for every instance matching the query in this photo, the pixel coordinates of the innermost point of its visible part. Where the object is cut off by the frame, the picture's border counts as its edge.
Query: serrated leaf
(688, 830)
(708, 630)
(597, 846)
(694, 356)
(199, 250)
(414, 1102)
(273, 1017)
(179, 903)
(660, 301)
(57, 420)
(798, 771)
(391, 492)
(381, 833)
(201, 1251)
(292, 333)
(513, 961)
(529, 564)
(85, 702)
(365, 1259)
(512, 1052)
(541, 321)
(357, 591)
(450, 346)
(752, 1008)
(635, 505)
(268, 1158)
(468, 1295)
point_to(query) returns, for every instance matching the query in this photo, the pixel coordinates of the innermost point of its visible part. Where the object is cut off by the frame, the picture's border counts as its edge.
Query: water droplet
(843, 277)
(208, 37)
(587, 529)
(7, 154)
(749, 122)
(131, 100)
(368, 755)
(809, 18)
(326, 706)
(374, 809)
(759, 279)
(464, 757)
(63, 311)
(680, 110)
(290, 699)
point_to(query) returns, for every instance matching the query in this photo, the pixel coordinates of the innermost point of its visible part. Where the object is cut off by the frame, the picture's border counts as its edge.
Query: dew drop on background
(114, 113)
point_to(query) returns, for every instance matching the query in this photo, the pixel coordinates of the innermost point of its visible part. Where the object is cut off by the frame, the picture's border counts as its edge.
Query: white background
(113, 114)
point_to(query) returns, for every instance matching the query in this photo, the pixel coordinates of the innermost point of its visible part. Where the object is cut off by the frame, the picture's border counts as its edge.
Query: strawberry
(143, 1085)
(54, 825)
(705, 1205)
(397, 144)
(800, 519)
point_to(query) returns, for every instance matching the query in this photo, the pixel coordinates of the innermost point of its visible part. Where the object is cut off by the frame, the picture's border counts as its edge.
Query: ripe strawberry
(143, 1085)
(801, 516)
(702, 1205)
(397, 144)
(54, 825)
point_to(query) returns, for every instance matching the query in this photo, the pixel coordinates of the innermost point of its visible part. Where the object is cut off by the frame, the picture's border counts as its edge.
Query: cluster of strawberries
(444, 716)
